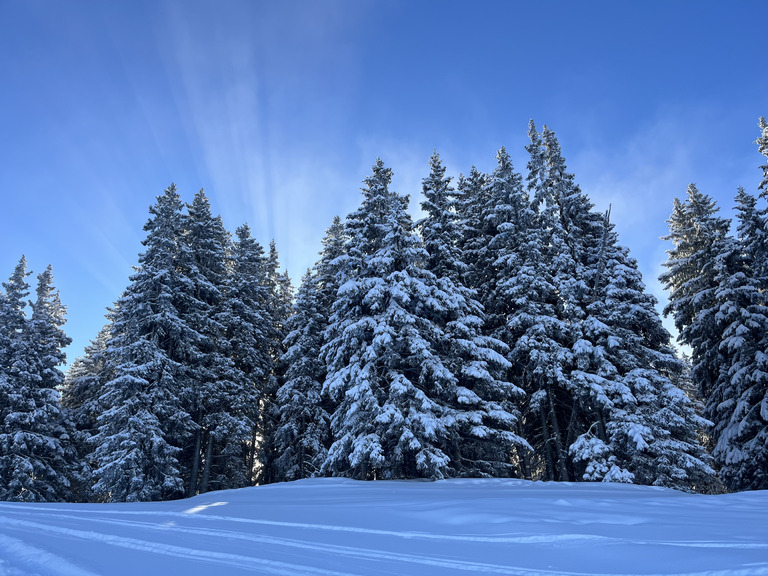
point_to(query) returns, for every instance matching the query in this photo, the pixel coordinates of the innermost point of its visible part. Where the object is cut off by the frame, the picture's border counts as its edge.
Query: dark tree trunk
(195, 468)
(207, 465)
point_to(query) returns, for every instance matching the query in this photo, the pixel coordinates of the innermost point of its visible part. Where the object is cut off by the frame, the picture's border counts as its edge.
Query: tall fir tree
(548, 295)
(303, 432)
(303, 435)
(647, 430)
(391, 387)
(738, 403)
(280, 300)
(221, 401)
(251, 334)
(13, 320)
(81, 397)
(607, 403)
(717, 293)
(145, 424)
(484, 437)
(698, 235)
(37, 457)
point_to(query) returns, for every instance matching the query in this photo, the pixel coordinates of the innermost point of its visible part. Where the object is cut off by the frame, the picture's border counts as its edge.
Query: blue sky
(278, 110)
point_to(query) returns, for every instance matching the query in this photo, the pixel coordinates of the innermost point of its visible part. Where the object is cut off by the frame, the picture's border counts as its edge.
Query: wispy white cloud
(242, 94)
(642, 175)
(639, 178)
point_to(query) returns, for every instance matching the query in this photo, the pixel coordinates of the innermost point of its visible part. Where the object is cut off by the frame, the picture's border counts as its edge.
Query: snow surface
(342, 527)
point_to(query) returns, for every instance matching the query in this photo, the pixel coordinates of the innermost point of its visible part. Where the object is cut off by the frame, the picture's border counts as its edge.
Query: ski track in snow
(533, 539)
(51, 563)
(63, 568)
(407, 535)
(233, 544)
(219, 558)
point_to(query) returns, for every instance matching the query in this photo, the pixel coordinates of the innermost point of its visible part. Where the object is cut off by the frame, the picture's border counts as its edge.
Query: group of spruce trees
(506, 334)
(718, 287)
(170, 399)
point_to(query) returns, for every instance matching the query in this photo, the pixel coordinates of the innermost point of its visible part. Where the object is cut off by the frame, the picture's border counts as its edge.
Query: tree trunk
(524, 459)
(207, 465)
(601, 426)
(251, 457)
(572, 432)
(546, 440)
(560, 453)
(195, 459)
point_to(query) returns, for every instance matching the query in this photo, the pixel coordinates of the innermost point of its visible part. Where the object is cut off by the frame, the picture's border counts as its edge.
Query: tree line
(505, 334)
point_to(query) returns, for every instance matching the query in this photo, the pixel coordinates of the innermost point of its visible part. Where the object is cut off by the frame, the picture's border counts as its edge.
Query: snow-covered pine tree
(597, 360)
(392, 419)
(524, 300)
(549, 295)
(647, 430)
(762, 146)
(12, 321)
(37, 457)
(697, 234)
(577, 257)
(14, 365)
(303, 432)
(738, 404)
(471, 202)
(8, 317)
(144, 424)
(221, 402)
(484, 439)
(280, 294)
(251, 336)
(80, 397)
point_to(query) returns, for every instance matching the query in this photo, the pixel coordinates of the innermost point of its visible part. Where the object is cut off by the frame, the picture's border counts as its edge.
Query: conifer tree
(697, 234)
(37, 458)
(603, 372)
(145, 423)
(221, 402)
(14, 369)
(280, 300)
(12, 319)
(647, 431)
(302, 435)
(738, 403)
(549, 294)
(391, 387)
(250, 335)
(81, 398)
(485, 442)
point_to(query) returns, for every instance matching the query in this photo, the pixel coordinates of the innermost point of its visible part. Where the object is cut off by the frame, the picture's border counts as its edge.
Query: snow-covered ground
(340, 527)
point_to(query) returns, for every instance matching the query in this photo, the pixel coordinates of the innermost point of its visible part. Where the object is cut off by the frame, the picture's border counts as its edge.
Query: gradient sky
(279, 109)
